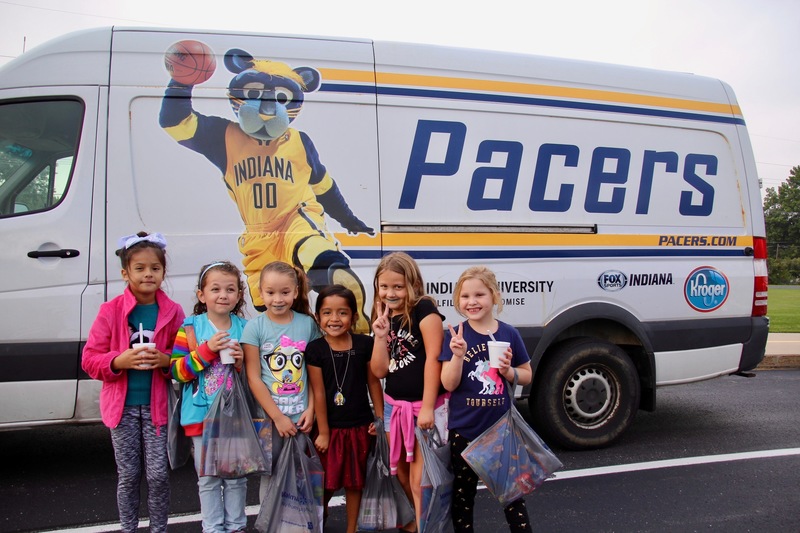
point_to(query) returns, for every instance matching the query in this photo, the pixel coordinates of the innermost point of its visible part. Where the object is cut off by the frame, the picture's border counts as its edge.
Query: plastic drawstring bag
(263, 427)
(384, 504)
(437, 482)
(262, 423)
(230, 445)
(293, 500)
(179, 446)
(510, 458)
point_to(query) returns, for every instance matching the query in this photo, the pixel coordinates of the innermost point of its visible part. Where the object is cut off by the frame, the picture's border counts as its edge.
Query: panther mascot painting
(271, 171)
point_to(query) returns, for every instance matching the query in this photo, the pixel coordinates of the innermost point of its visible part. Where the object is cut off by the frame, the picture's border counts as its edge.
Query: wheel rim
(590, 396)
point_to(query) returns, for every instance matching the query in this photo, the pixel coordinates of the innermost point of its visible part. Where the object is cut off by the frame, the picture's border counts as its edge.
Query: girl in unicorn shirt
(478, 392)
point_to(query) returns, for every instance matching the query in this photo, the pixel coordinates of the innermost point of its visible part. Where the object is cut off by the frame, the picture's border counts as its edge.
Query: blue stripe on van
(357, 253)
(530, 101)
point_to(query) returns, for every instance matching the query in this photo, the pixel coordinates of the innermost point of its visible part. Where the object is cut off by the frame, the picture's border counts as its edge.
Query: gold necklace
(338, 397)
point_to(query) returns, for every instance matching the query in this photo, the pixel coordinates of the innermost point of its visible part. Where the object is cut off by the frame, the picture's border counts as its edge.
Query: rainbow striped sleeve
(186, 365)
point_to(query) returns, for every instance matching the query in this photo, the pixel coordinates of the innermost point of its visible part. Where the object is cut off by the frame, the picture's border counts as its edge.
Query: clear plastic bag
(510, 458)
(437, 482)
(293, 501)
(384, 504)
(231, 448)
(263, 427)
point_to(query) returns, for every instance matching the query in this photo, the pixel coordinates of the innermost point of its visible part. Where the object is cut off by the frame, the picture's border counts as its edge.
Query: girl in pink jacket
(128, 349)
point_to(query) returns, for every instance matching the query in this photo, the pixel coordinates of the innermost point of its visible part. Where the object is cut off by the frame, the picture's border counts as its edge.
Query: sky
(749, 44)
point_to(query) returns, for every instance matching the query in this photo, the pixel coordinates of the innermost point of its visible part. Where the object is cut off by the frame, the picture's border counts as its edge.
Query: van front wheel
(587, 394)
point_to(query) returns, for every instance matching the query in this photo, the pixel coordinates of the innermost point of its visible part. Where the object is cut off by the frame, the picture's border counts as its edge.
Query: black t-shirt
(406, 378)
(356, 410)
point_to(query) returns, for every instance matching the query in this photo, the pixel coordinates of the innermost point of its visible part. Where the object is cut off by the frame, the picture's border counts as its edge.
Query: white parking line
(559, 476)
(670, 463)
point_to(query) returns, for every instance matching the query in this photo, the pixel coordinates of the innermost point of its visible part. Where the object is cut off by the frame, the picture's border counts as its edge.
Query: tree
(782, 216)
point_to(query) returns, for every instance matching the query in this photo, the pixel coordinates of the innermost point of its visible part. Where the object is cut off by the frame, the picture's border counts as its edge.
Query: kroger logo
(706, 289)
(612, 280)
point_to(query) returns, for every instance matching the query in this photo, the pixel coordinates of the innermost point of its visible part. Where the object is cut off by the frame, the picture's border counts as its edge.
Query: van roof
(84, 58)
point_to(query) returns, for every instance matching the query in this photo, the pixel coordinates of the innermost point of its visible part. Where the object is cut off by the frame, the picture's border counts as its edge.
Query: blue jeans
(222, 501)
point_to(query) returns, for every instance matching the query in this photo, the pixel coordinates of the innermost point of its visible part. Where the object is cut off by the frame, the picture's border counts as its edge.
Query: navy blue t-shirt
(482, 396)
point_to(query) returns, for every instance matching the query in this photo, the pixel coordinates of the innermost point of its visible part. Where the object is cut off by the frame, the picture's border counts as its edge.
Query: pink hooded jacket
(109, 336)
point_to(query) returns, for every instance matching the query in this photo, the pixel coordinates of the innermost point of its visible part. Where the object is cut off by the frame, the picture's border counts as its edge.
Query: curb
(779, 362)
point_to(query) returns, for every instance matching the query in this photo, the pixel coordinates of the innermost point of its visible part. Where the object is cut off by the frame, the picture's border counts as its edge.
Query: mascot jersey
(481, 397)
(268, 180)
(281, 349)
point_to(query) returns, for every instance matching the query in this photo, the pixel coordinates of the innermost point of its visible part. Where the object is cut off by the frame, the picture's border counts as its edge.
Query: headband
(130, 240)
(205, 271)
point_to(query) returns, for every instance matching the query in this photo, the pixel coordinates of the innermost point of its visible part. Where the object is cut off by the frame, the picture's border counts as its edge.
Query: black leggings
(465, 487)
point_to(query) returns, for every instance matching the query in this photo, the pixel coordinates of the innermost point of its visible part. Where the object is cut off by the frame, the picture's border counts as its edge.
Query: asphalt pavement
(783, 351)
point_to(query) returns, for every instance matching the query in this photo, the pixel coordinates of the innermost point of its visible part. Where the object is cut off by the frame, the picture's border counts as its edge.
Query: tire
(586, 396)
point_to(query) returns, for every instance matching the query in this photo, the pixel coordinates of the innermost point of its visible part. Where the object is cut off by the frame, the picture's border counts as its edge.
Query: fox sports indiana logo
(706, 289)
(612, 280)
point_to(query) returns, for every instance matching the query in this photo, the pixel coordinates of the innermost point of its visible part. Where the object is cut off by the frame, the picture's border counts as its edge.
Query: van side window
(38, 142)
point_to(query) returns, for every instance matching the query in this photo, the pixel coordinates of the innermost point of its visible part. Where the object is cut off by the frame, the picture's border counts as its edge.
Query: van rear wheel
(587, 394)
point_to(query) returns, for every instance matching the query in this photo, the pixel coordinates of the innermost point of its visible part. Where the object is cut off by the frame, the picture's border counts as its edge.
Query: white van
(619, 207)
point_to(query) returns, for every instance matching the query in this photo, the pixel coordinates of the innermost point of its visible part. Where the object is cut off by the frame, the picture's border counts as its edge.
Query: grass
(784, 309)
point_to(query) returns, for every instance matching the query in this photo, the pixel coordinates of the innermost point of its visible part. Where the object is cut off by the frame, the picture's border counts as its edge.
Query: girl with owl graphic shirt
(479, 394)
(274, 346)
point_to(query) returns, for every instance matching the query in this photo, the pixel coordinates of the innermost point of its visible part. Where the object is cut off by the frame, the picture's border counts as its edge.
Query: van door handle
(64, 253)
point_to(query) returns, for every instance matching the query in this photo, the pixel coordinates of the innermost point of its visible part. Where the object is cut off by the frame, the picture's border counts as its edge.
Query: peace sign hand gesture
(381, 325)
(457, 344)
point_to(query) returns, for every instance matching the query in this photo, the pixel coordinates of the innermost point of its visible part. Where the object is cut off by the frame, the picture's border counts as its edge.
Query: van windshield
(38, 142)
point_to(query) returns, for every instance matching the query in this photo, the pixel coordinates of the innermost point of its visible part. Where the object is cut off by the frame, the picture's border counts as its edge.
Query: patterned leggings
(465, 487)
(136, 439)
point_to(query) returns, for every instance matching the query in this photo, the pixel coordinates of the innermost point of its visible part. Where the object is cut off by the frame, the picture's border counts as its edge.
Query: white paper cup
(226, 354)
(496, 349)
(144, 346)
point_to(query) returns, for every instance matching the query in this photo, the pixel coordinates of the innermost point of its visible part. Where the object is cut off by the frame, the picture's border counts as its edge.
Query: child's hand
(381, 325)
(141, 359)
(127, 360)
(505, 365)
(218, 341)
(425, 419)
(161, 360)
(322, 442)
(285, 426)
(306, 421)
(371, 429)
(457, 343)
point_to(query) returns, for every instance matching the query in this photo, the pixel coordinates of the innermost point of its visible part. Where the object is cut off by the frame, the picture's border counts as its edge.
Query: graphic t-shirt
(406, 378)
(141, 381)
(351, 373)
(281, 348)
(482, 396)
(202, 380)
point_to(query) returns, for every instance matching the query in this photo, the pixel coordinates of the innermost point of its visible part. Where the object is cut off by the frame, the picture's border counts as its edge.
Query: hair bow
(128, 241)
(286, 342)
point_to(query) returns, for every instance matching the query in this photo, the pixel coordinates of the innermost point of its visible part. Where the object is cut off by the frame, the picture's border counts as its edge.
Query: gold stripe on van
(531, 89)
(559, 240)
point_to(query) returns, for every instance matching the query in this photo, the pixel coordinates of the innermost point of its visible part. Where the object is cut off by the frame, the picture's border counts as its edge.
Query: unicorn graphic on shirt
(488, 376)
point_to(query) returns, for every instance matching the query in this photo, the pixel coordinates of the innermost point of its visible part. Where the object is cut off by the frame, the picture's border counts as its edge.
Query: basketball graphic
(190, 62)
